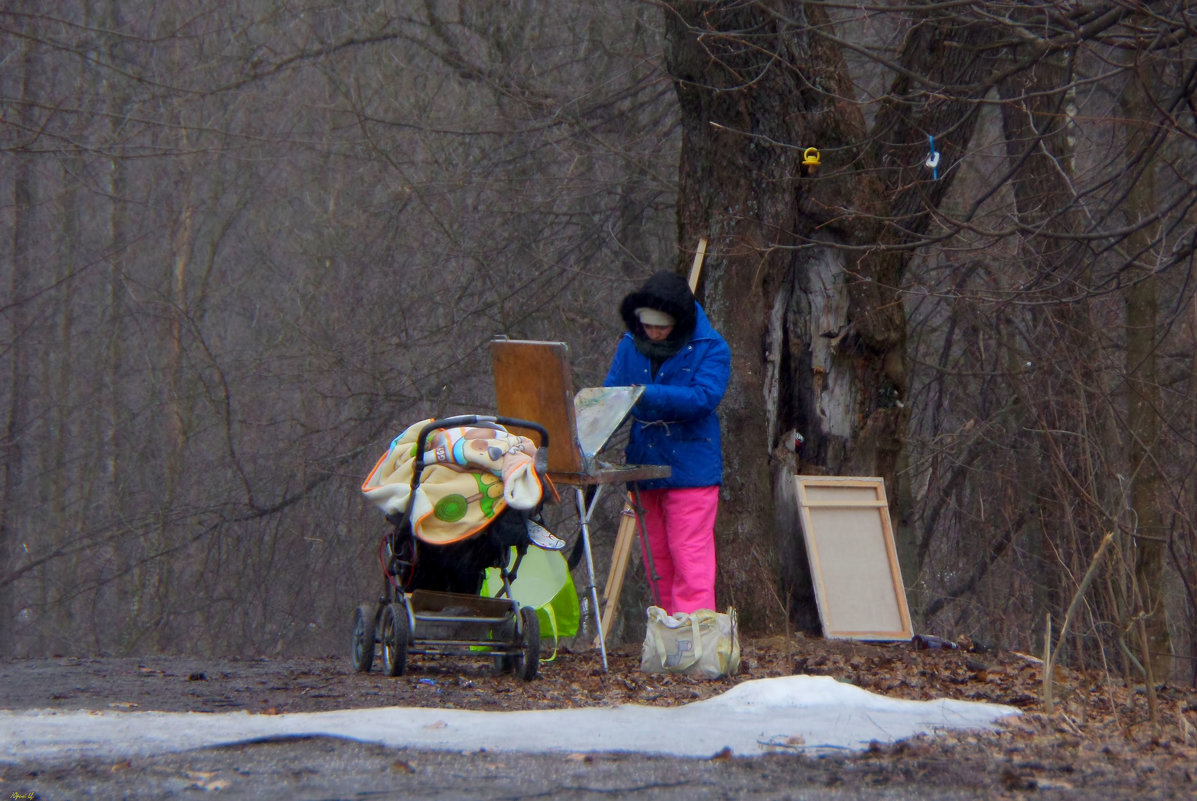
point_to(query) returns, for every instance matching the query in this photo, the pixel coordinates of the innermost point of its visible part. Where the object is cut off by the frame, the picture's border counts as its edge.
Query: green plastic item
(543, 582)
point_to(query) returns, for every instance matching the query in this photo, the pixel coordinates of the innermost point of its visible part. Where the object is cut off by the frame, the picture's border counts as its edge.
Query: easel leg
(619, 565)
(584, 520)
(650, 569)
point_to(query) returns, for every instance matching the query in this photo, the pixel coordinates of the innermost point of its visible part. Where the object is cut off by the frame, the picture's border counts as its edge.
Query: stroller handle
(468, 420)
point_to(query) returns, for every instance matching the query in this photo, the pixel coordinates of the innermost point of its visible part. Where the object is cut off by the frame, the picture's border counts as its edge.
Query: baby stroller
(430, 602)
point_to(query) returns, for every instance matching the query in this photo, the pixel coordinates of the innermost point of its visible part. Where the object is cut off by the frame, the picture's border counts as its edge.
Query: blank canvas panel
(854, 565)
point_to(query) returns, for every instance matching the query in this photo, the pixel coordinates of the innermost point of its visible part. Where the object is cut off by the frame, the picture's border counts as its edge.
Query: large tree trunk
(1143, 390)
(817, 330)
(20, 294)
(746, 117)
(1066, 396)
(111, 436)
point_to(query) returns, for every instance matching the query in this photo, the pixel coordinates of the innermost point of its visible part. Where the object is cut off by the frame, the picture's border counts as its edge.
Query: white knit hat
(649, 316)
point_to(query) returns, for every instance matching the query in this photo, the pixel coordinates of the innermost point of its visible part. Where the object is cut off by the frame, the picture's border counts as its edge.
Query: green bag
(544, 583)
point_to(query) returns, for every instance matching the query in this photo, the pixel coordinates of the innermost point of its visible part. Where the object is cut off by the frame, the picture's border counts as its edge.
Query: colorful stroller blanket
(470, 476)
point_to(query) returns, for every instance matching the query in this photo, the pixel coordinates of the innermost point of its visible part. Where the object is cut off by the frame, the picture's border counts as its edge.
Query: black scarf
(657, 352)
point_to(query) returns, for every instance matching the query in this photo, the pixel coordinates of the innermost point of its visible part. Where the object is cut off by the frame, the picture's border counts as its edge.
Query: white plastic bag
(704, 643)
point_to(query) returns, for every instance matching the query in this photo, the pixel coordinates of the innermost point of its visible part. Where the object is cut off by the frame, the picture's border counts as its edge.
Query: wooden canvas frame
(853, 561)
(533, 382)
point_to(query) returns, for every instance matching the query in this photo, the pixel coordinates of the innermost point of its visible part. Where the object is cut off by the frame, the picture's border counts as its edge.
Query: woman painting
(683, 363)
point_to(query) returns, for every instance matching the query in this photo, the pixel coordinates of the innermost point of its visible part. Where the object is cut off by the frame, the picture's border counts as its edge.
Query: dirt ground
(1103, 739)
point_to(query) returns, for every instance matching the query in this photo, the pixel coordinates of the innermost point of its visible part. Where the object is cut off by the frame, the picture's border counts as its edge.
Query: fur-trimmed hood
(667, 292)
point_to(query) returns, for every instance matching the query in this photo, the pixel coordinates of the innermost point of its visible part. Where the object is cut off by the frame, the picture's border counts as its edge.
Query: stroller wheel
(527, 661)
(363, 637)
(395, 634)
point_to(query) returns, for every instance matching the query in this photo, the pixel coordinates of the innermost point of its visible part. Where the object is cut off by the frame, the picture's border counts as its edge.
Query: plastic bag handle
(658, 643)
(694, 627)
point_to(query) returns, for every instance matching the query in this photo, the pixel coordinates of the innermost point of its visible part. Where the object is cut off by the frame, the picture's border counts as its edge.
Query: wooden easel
(628, 517)
(533, 382)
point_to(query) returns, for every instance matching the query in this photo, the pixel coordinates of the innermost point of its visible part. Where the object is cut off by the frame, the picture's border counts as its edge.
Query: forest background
(248, 242)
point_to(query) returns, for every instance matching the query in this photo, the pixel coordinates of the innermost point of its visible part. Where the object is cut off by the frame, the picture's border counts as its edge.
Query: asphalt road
(325, 769)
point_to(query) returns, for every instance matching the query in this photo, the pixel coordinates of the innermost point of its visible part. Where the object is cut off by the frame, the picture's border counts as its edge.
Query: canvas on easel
(853, 561)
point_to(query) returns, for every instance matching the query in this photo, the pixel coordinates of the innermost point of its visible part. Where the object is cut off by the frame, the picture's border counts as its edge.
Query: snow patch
(808, 714)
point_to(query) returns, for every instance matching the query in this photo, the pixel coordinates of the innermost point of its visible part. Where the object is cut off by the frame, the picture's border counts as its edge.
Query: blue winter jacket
(674, 422)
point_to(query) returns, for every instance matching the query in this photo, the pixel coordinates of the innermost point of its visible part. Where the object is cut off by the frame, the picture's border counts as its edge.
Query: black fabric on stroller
(461, 566)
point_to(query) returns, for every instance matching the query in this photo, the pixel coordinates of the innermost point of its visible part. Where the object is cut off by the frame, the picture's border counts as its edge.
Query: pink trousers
(680, 528)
